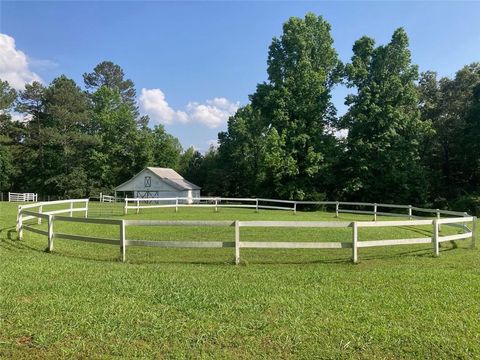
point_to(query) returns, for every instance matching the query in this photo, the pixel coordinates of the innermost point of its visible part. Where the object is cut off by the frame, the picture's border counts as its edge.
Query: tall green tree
(31, 102)
(241, 152)
(451, 106)
(7, 167)
(112, 76)
(66, 141)
(166, 149)
(292, 113)
(303, 67)
(113, 122)
(385, 131)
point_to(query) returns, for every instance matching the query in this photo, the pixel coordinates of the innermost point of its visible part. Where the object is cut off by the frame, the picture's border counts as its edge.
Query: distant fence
(107, 198)
(25, 213)
(412, 212)
(22, 197)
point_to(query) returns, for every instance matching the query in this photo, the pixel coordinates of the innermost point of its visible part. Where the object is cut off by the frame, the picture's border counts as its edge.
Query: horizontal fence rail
(26, 212)
(36, 211)
(374, 209)
(22, 197)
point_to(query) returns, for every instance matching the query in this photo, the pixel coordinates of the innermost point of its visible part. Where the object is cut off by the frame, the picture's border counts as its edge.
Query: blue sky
(205, 58)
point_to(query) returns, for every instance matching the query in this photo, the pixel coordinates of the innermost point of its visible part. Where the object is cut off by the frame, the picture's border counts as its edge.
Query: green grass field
(81, 302)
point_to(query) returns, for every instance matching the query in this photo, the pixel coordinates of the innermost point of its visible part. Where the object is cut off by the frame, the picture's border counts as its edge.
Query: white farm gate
(23, 197)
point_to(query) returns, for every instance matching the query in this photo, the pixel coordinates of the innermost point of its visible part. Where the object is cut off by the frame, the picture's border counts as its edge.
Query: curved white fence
(290, 205)
(25, 213)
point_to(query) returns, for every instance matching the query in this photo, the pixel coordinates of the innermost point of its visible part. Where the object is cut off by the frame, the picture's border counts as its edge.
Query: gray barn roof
(170, 176)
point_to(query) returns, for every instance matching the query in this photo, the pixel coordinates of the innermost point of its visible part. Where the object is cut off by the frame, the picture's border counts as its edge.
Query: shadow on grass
(10, 231)
(11, 244)
(15, 244)
(422, 253)
(416, 230)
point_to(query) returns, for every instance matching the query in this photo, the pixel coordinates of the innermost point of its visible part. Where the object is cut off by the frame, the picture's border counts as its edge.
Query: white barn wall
(158, 187)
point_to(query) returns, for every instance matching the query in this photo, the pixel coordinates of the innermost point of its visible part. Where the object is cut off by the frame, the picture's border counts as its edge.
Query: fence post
(295, 207)
(20, 224)
(375, 212)
(40, 210)
(71, 208)
(122, 241)
(436, 248)
(474, 232)
(438, 217)
(9, 196)
(464, 223)
(86, 208)
(125, 209)
(337, 205)
(256, 205)
(19, 208)
(138, 206)
(354, 242)
(410, 212)
(50, 233)
(176, 204)
(237, 242)
(216, 205)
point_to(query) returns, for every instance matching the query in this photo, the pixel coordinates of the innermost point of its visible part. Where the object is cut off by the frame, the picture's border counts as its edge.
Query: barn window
(148, 181)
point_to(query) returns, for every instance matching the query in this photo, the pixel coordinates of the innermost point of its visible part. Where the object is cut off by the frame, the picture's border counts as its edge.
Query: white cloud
(153, 103)
(213, 113)
(14, 64)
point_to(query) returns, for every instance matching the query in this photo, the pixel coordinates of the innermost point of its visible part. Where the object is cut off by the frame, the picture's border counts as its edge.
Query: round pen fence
(44, 211)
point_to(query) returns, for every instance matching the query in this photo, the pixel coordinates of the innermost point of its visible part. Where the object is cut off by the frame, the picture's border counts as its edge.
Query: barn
(155, 182)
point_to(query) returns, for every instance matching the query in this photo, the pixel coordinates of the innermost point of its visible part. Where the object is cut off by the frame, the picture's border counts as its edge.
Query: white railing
(354, 244)
(176, 202)
(51, 235)
(22, 197)
(26, 213)
(289, 205)
(107, 198)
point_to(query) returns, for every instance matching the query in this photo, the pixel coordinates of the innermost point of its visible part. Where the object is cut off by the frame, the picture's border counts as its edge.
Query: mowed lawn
(81, 302)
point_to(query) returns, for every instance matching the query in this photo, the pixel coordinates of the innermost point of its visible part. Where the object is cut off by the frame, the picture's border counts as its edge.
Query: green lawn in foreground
(80, 302)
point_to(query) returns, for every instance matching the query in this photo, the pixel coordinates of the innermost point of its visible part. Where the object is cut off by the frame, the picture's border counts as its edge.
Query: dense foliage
(412, 138)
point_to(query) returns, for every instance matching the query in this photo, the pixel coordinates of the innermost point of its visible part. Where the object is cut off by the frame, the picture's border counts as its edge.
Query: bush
(469, 203)
(316, 196)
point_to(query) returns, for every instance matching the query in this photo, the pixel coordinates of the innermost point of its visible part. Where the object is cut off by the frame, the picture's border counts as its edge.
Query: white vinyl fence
(236, 243)
(374, 209)
(107, 198)
(26, 212)
(22, 197)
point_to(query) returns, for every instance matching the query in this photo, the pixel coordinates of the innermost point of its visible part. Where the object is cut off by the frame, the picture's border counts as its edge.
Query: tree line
(411, 137)
(75, 142)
